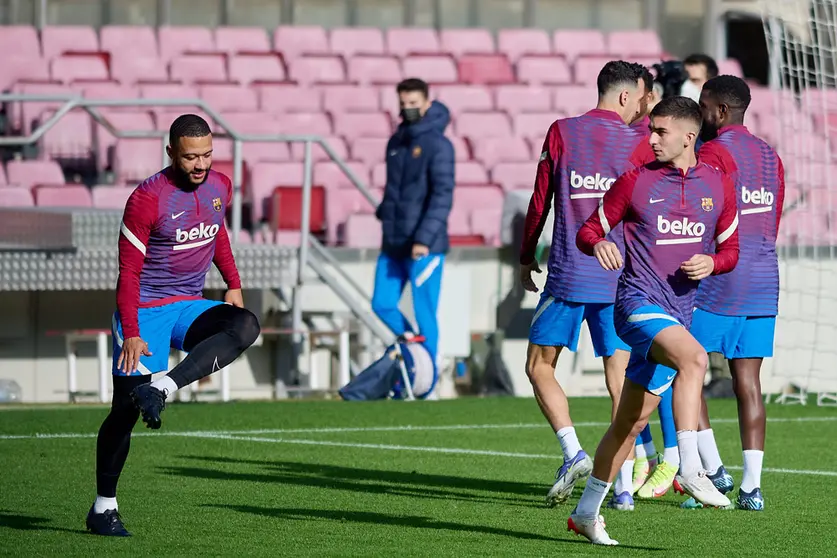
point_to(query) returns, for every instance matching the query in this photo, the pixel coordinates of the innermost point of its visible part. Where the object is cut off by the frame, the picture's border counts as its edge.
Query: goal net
(802, 45)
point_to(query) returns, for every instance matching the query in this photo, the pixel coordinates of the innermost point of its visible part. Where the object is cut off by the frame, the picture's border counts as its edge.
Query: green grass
(367, 493)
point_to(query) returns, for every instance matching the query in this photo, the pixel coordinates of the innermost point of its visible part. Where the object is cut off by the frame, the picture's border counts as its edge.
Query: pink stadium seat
(485, 69)
(574, 43)
(295, 40)
(483, 124)
(25, 115)
(199, 68)
(318, 154)
(379, 175)
(340, 204)
(248, 68)
(58, 39)
(463, 98)
(129, 38)
(544, 70)
(483, 198)
(109, 90)
(233, 40)
(227, 98)
(487, 222)
(641, 42)
(573, 100)
(433, 69)
(264, 178)
(20, 40)
(521, 98)
(466, 41)
(257, 123)
(461, 151)
(177, 40)
(459, 222)
(68, 195)
(373, 70)
(277, 99)
(534, 125)
(3, 180)
(137, 159)
(516, 43)
(130, 68)
(111, 197)
(70, 138)
(315, 124)
(731, 67)
(11, 196)
(137, 120)
(514, 176)
(165, 116)
(370, 151)
(491, 151)
(469, 173)
(329, 175)
(587, 69)
(307, 70)
(349, 98)
(390, 103)
(362, 231)
(82, 67)
(357, 40)
(412, 40)
(362, 125)
(22, 68)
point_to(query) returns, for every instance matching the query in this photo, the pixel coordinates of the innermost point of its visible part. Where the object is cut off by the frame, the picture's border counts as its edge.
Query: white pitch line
(350, 429)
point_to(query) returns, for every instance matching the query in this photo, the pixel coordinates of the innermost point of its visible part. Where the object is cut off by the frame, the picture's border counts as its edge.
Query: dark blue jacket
(419, 190)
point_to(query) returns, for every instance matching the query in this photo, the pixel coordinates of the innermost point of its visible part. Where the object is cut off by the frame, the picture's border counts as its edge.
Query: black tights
(215, 339)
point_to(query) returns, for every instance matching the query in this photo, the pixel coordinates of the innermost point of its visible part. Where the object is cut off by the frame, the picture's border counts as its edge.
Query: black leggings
(215, 339)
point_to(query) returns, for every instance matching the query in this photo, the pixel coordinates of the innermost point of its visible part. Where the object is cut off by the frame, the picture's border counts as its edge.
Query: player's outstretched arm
(592, 237)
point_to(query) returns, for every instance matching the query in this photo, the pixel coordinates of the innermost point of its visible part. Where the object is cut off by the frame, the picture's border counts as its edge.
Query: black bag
(376, 382)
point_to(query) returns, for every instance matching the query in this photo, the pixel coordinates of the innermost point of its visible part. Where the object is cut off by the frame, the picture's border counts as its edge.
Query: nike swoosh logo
(656, 201)
(176, 215)
(215, 366)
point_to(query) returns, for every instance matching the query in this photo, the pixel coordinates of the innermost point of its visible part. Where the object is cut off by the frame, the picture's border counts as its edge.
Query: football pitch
(449, 478)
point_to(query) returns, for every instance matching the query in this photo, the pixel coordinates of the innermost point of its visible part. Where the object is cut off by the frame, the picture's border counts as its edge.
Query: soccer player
(736, 313)
(675, 211)
(172, 230)
(581, 158)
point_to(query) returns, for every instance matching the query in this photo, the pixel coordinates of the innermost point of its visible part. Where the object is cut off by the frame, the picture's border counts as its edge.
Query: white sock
(625, 478)
(165, 384)
(592, 498)
(752, 470)
(672, 456)
(689, 455)
(650, 450)
(709, 455)
(569, 442)
(102, 504)
(640, 451)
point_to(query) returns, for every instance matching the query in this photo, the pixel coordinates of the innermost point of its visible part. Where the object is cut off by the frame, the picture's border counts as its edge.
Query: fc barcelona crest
(416, 152)
(216, 204)
(706, 204)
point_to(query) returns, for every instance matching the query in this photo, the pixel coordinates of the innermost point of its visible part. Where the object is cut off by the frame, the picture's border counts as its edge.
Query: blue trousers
(425, 277)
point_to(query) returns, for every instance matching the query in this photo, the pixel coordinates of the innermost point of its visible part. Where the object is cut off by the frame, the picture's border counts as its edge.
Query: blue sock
(667, 420)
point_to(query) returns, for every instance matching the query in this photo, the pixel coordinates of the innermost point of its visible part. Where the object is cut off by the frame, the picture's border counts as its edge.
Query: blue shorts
(557, 323)
(734, 336)
(639, 331)
(162, 327)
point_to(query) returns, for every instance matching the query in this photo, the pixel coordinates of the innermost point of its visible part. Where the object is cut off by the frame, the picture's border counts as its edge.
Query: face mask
(411, 115)
(690, 90)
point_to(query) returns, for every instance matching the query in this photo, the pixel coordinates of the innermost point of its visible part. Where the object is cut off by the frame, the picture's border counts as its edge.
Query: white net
(799, 113)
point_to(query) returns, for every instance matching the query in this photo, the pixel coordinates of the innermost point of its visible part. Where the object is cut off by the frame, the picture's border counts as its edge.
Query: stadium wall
(37, 361)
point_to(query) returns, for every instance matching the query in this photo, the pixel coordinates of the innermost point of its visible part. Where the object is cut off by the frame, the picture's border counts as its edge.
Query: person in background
(414, 215)
(700, 68)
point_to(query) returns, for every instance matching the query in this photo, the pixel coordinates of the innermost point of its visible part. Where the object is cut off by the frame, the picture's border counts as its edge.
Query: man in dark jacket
(414, 214)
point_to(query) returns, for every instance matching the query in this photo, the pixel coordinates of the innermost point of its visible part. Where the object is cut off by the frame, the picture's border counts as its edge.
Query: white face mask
(690, 90)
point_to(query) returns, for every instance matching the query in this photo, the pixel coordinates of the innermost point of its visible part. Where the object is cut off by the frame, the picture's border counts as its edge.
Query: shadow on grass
(19, 522)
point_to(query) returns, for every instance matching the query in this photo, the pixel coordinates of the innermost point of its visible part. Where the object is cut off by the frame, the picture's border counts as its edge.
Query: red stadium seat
(577, 42)
(362, 231)
(374, 70)
(20, 40)
(233, 40)
(111, 197)
(522, 98)
(516, 43)
(68, 195)
(640, 42)
(308, 70)
(129, 39)
(199, 68)
(177, 40)
(59, 39)
(357, 40)
(276, 99)
(485, 69)
(248, 68)
(340, 204)
(295, 40)
(463, 98)
(467, 240)
(349, 98)
(433, 69)
(224, 98)
(11, 196)
(286, 209)
(483, 124)
(81, 67)
(263, 179)
(403, 41)
(544, 70)
(466, 41)
(362, 125)
(31, 173)
(226, 167)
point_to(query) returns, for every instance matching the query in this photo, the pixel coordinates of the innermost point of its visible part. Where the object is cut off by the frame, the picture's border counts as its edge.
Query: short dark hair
(706, 60)
(619, 72)
(730, 90)
(680, 108)
(188, 126)
(648, 78)
(413, 84)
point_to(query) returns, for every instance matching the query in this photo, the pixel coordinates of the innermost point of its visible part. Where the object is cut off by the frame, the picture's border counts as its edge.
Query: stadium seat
(257, 123)
(199, 68)
(23, 116)
(483, 124)
(639, 42)
(340, 204)
(362, 125)
(463, 98)
(357, 40)
(466, 41)
(485, 69)
(248, 68)
(264, 177)
(329, 175)
(318, 154)
(349, 98)
(491, 151)
(70, 139)
(3, 180)
(521, 98)
(544, 70)
(131, 68)
(177, 40)
(128, 39)
(26, 173)
(276, 99)
(137, 121)
(68, 195)
(373, 70)
(59, 39)
(481, 196)
(227, 98)
(233, 40)
(80, 67)
(572, 100)
(110, 90)
(21, 68)
(459, 222)
(486, 222)
(370, 151)
(514, 176)
(461, 150)
(111, 197)
(312, 123)
(577, 42)
(587, 69)
(20, 40)
(403, 42)
(137, 159)
(286, 209)
(379, 175)
(432, 69)
(470, 172)
(362, 231)
(533, 126)
(516, 43)
(11, 196)
(167, 91)
(295, 40)
(307, 70)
